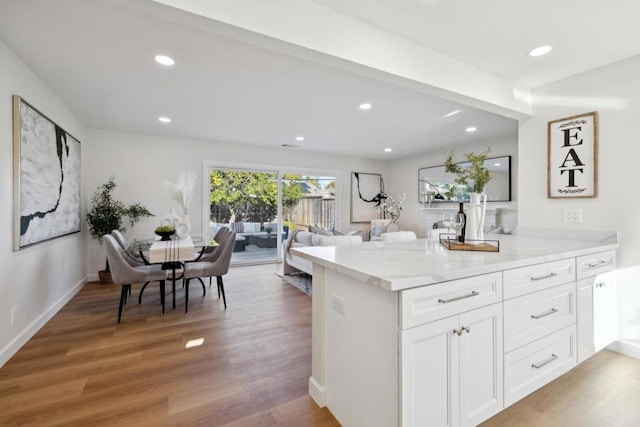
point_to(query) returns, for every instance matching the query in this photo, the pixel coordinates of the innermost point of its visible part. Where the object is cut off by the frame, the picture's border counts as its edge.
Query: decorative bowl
(166, 235)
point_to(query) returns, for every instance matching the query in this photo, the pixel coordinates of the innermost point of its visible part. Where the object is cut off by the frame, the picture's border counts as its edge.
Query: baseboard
(626, 348)
(317, 392)
(21, 339)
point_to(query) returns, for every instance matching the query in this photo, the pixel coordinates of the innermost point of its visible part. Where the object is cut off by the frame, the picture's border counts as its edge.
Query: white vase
(171, 219)
(475, 216)
(183, 227)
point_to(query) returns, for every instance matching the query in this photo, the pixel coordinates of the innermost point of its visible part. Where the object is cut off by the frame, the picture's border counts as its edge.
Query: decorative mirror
(436, 185)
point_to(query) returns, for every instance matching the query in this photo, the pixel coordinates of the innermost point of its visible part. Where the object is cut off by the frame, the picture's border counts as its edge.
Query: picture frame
(46, 178)
(572, 156)
(365, 188)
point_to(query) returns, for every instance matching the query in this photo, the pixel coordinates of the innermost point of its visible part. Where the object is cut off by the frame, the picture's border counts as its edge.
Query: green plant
(477, 172)
(164, 229)
(451, 191)
(268, 230)
(107, 214)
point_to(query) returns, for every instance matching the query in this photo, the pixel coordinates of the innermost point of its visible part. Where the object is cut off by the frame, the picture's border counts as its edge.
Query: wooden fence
(314, 210)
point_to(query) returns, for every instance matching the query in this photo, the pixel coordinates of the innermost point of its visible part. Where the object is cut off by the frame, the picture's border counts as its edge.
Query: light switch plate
(572, 215)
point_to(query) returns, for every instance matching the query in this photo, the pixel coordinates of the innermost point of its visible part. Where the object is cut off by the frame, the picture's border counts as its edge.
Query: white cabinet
(452, 370)
(597, 320)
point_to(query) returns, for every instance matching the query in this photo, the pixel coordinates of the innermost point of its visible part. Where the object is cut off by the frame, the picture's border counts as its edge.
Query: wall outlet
(13, 315)
(572, 215)
(338, 304)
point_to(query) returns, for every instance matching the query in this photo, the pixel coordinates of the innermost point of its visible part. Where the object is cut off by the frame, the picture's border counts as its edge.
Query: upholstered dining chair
(398, 236)
(122, 242)
(218, 267)
(125, 274)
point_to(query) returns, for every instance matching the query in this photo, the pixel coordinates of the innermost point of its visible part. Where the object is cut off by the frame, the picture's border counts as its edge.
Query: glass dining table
(171, 255)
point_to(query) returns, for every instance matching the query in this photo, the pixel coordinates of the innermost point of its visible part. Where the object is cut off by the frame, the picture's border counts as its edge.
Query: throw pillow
(323, 232)
(336, 232)
(356, 233)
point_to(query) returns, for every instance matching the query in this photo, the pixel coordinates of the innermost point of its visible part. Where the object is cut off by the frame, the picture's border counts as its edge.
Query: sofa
(246, 232)
(292, 263)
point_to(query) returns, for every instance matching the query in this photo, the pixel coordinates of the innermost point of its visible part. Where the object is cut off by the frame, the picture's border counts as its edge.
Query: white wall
(37, 280)
(141, 162)
(401, 177)
(614, 92)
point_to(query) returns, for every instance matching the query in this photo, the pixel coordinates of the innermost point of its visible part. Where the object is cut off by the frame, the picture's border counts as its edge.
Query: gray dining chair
(125, 274)
(218, 268)
(135, 261)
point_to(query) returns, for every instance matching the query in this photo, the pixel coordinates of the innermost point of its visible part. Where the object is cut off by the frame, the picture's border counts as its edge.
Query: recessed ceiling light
(365, 106)
(388, 150)
(471, 129)
(299, 138)
(452, 113)
(164, 119)
(496, 164)
(164, 60)
(540, 50)
(289, 145)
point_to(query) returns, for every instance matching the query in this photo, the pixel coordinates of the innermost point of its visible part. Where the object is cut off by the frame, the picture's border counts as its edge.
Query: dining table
(172, 254)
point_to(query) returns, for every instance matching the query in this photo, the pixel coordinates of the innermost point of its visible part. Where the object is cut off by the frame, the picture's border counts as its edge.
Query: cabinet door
(481, 361)
(430, 375)
(604, 310)
(586, 347)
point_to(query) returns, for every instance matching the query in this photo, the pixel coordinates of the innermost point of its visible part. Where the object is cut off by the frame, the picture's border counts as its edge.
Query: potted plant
(107, 214)
(268, 230)
(480, 175)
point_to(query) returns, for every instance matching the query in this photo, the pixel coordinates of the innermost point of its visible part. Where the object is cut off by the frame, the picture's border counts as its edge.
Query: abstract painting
(366, 192)
(46, 174)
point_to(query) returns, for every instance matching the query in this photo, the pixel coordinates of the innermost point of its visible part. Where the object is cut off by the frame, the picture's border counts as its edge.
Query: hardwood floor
(603, 391)
(252, 368)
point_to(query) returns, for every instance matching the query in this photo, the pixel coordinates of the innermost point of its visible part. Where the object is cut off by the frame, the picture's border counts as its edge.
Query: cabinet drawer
(525, 280)
(530, 367)
(594, 264)
(533, 316)
(428, 303)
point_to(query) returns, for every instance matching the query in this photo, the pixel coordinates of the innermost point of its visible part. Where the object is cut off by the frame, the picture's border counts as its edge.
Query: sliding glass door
(264, 206)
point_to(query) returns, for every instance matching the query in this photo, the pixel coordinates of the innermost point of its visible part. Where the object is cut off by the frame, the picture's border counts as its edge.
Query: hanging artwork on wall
(572, 150)
(46, 176)
(367, 192)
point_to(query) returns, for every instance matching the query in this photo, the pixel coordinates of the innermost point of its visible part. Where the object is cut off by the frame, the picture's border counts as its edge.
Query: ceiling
(97, 56)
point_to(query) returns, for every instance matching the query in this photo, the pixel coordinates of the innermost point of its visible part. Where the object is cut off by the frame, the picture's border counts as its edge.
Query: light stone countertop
(404, 265)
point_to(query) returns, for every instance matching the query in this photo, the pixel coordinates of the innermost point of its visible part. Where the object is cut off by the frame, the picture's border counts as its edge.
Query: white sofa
(294, 264)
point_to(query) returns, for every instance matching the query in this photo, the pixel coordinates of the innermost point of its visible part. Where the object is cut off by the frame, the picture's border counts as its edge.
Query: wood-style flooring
(252, 368)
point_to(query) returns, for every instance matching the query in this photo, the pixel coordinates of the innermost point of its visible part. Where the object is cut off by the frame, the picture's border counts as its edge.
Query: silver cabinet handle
(459, 332)
(546, 362)
(548, 313)
(600, 285)
(597, 263)
(546, 276)
(472, 294)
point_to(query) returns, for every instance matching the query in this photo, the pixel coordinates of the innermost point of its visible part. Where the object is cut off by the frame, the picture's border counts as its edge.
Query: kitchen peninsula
(411, 334)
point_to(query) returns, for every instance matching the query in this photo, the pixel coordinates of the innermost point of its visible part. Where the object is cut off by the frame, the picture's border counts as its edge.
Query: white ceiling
(97, 56)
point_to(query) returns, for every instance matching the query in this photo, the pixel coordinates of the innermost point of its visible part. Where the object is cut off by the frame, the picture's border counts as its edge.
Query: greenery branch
(477, 173)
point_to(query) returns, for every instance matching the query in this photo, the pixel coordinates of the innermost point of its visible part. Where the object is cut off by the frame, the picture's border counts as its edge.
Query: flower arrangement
(477, 173)
(181, 191)
(393, 207)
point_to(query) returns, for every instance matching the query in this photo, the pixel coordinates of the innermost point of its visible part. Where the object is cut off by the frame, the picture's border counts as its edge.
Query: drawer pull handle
(546, 276)
(459, 332)
(600, 285)
(472, 294)
(546, 362)
(548, 313)
(597, 263)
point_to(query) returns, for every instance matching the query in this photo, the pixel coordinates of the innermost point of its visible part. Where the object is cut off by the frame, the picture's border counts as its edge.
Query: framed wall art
(46, 176)
(366, 192)
(572, 156)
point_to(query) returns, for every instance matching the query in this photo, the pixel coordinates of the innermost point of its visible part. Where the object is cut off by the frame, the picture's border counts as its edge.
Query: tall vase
(475, 216)
(183, 227)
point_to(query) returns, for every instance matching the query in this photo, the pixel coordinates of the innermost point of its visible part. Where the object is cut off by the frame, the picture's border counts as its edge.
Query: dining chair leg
(141, 291)
(162, 295)
(218, 283)
(221, 287)
(209, 280)
(123, 297)
(204, 289)
(186, 295)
